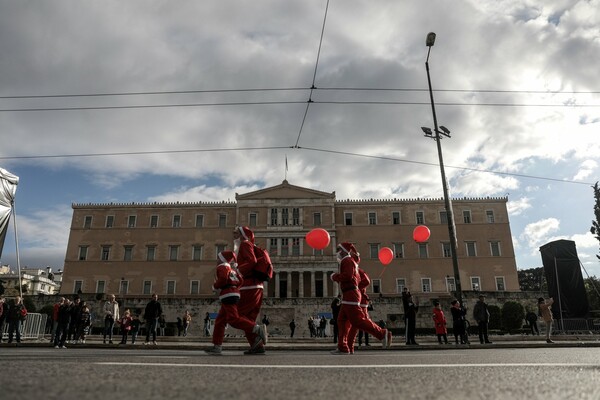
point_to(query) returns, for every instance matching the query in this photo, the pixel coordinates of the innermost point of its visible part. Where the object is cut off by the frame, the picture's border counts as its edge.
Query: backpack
(263, 270)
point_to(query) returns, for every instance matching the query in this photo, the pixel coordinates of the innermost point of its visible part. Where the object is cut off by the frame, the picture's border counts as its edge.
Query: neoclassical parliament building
(137, 249)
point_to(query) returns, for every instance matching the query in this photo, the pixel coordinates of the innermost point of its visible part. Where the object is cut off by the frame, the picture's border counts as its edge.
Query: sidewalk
(279, 343)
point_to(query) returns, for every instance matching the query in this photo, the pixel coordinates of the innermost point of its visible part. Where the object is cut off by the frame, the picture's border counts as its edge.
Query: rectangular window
(252, 219)
(317, 219)
(87, 222)
(295, 246)
(495, 249)
(396, 218)
(372, 218)
(147, 288)
(78, 286)
(374, 250)
(295, 216)
(422, 250)
(173, 253)
(100, 286)
(466, 216)
(105, 253)
(285, 217)
(110, 221)
(199, 220)
(450, 284)
(222, 220)
(471, 249)
(131, 221)
(150, 253)
(176, 221)
(170, 287)
(273, 246)
(399, 250)
(285, 250)
(123, 287)
(443, 217)
(83, 250)
(446, 249)
(219, 248)
(348, 218)
(420, 217)
(426, 285)
(194, 287)
(376, 285)
(400, 284)
(273, 217)
(128, 253)
(489, 215)
(475, 283)
(154, 221)
(197, 253)
(500, 284)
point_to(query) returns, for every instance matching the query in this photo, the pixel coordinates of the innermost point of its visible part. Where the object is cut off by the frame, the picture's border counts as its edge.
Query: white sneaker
(56, 347)
(261, 331)
(154, 343)
(63, 347)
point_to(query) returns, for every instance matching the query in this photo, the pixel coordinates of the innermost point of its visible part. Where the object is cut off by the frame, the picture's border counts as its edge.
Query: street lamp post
(435, 135)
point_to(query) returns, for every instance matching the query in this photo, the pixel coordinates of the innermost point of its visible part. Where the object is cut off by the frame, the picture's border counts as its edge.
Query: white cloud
(516, 207)
(537, 233)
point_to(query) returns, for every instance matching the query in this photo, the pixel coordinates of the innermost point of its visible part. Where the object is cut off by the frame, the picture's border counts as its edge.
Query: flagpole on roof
(286, 168)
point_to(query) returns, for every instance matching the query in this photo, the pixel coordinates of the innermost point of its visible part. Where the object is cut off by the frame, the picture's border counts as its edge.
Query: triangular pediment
(285, 191)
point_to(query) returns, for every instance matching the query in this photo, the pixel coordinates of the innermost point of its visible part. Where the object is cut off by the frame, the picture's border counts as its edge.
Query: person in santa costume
(227, 283)
(251, 291)
(364, 282)
(351, 313)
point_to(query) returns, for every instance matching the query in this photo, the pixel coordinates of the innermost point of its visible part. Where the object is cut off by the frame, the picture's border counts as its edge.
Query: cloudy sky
(121, 101)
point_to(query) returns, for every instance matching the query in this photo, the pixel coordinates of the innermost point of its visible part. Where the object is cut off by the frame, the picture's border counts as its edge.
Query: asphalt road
(153, 373)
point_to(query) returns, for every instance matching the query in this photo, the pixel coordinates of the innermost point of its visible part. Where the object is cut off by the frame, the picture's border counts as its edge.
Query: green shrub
(512, 316)
(495, 317)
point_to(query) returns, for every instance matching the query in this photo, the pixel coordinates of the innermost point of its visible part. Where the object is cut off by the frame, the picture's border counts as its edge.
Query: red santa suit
(440, 321)
(351, 313)
(251, 290)
(227, 282)
(363, 284)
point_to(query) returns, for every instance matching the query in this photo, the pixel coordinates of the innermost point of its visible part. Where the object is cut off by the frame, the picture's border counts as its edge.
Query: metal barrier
(33, 327)
(574, 326)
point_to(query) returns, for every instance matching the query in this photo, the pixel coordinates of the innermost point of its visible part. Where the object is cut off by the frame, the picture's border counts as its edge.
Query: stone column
(325, 284)
(289, 285)
(277, 292)
(312, 284)
(301, 284)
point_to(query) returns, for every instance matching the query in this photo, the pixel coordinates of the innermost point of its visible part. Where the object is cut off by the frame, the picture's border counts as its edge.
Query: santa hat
(246, 233)
(227, 257)
(348, 248)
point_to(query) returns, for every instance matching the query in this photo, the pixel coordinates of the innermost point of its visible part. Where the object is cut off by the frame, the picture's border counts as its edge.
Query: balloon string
(382, 271)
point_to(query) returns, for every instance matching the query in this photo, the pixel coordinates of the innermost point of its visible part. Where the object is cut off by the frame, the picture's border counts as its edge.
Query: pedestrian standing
(207, 324)
(186, 321)
(16, 315)
(111, 315)
(546, 313)
(411, 319)
(3, 315)
(531, 319)
(439, 320)
(152, 313)
(125, 324)
(292, 328)
(481, 314)
(459, 313)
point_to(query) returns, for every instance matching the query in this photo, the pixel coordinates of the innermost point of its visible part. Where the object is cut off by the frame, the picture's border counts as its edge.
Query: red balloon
(318, 238)
(386, 255)
(421, 234)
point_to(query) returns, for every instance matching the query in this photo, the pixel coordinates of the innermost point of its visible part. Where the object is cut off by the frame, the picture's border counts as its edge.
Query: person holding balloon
(351, 313)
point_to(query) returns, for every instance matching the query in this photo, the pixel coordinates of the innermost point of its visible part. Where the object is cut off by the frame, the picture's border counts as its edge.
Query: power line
(344, 153)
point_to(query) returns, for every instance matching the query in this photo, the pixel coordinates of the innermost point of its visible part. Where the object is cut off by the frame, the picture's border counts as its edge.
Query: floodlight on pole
(435, 135)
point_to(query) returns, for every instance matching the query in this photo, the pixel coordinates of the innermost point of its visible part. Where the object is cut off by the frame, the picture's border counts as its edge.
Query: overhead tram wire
(290, 89)
(312, 87)
(344, 153)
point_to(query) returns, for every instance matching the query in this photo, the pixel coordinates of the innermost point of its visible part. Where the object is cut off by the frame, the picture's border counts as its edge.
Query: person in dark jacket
(3, 314)
(16, 315)
(152, 313)
(481, 314)
(336, 304)
(458, 322)
(411, 319)
(531, 319)
(64, 320)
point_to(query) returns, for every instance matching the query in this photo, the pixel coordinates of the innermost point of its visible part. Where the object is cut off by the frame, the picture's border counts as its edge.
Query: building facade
(170, 248)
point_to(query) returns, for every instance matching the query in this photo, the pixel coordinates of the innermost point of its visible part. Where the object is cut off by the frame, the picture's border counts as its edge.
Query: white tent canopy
(8, 189)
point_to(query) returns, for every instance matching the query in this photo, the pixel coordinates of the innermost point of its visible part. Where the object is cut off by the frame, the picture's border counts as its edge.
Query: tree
(495, 317)
(533, 279)
(595, 229)
(592, 286)
(512, 316)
